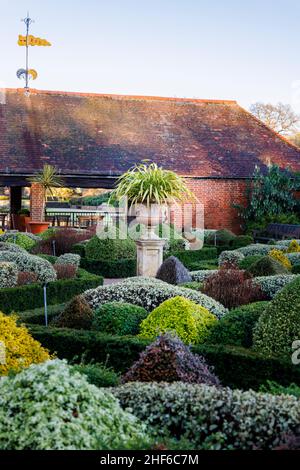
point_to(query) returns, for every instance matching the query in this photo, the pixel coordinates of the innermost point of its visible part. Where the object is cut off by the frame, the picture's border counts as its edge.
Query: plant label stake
(45, 304)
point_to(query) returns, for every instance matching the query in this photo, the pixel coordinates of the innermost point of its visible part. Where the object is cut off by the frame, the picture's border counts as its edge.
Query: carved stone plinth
(149, 256)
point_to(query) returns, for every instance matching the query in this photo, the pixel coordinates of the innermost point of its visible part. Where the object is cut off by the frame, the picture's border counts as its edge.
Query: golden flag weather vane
(27, 41)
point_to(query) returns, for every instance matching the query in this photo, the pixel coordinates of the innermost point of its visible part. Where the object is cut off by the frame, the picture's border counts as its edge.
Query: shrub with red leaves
(169, 360)
(26, 277)
(232, 287)
(65, 271)
(64, 239)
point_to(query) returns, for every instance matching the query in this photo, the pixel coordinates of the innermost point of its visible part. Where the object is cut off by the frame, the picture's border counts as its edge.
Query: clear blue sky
(246, 50)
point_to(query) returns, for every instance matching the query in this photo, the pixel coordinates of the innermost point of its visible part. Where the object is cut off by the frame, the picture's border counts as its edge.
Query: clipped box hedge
(236, 367)
(111, 269)
(188, 257)
(123, 268)
(15, 299)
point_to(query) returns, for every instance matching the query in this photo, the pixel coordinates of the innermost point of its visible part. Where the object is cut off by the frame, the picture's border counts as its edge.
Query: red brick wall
(217, 196)
(36, 202)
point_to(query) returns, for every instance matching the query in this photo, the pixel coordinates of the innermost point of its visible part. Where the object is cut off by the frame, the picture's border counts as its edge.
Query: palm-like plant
(151, 184)
(48, 178)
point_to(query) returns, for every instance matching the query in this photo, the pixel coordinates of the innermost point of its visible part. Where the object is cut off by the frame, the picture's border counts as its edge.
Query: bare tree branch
(280, 117)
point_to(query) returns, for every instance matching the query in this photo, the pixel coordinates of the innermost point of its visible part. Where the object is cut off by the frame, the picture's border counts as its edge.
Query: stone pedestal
(149, 256)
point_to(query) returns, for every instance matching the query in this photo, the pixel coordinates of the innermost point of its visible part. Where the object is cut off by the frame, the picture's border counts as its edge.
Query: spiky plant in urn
(149, 189)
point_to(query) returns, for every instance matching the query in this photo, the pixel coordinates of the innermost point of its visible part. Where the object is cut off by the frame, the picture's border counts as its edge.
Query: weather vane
(26, 41)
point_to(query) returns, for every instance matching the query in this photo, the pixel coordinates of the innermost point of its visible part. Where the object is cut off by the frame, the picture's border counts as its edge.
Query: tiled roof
(91, 134)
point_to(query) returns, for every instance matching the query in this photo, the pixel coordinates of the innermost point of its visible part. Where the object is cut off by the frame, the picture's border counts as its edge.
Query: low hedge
(189, 257)
(236, 367)
(111, 269)
(31, 296)
(36, 316)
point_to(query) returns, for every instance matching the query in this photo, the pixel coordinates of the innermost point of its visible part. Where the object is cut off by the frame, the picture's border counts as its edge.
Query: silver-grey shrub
(293, 257)
(69, 258)
(6, 246)
(286, 243)
(224, 418)
(26, 262)
(271, 285)
(149, 293)
(8, 274)
(202, 274)
(259, 249)
(233, 256)
(51, 407)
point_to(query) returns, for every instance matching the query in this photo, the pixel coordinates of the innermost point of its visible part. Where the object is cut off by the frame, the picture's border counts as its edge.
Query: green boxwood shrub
(189, 321)
(279, 326)
(236, 367)
(53, 407)
(222, 237)
(36, 316)
(220, 417)
(204, 265)
(17, 299)
(189, 257)
(79, 249)
(267, 266)
(50, 258)
(276, 389)
(240, 241)
(296, 269)
(195, 285)
(98, 374)
(249, 261)
(110, 250)
(111, 269)
(236, 327)
(118, 318)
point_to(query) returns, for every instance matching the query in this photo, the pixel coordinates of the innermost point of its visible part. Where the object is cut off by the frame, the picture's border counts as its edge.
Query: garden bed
(236, 367)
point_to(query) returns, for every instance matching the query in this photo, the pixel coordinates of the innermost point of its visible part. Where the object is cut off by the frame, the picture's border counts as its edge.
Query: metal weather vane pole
(27, 41)
(28, 21)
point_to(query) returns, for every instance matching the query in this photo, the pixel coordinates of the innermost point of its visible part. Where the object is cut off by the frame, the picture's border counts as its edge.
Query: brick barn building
(93, 138)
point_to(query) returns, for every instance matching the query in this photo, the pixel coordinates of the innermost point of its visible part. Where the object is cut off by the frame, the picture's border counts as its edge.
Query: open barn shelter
(91, 139)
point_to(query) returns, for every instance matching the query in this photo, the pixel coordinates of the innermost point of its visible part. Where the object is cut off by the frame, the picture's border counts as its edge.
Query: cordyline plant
(151, 184)
(48, 179)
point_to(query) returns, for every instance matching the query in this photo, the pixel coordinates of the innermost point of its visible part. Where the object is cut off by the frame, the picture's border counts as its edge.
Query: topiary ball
(169, 360)
(118, 318)
(236, 327)
(173, 271)
(279, 325)
(189, 321)
(267, 266)
(77, 314)
(17, 347)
